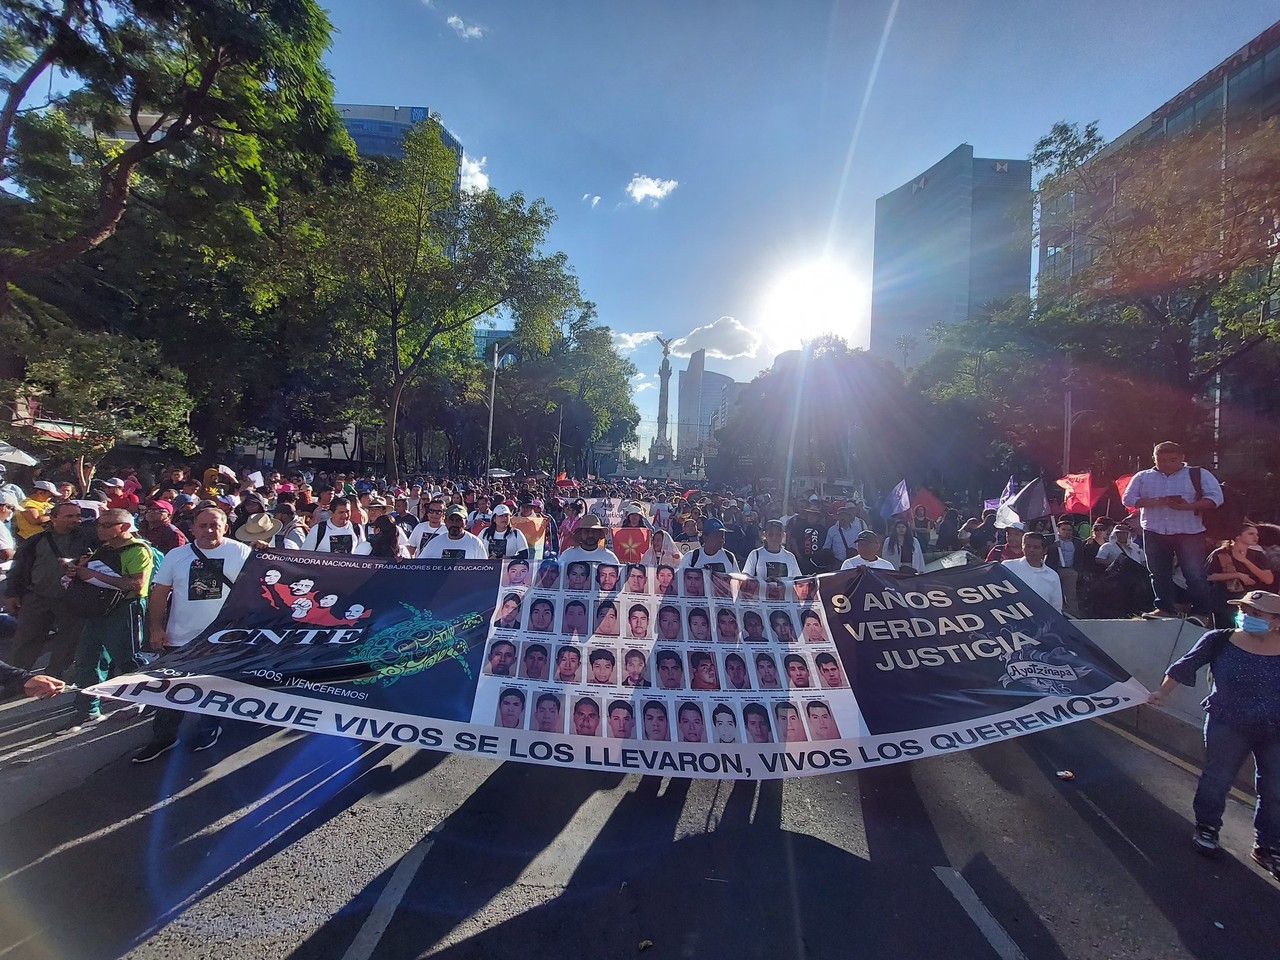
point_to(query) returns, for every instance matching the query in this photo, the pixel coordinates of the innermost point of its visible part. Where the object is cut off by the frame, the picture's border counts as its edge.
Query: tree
(428, 262)
(191, 85)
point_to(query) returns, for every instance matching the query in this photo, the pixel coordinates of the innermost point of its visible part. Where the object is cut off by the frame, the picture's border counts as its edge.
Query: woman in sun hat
(1242, 718)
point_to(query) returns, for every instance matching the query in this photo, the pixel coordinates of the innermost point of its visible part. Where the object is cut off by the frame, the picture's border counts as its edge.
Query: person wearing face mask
(1243, 717)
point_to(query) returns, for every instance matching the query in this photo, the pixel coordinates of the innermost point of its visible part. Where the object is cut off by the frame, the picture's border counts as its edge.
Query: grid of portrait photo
(642, 653)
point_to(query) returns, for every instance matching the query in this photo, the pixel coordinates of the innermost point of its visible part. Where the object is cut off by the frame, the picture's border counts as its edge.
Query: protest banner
(629, 543)
(690, 673)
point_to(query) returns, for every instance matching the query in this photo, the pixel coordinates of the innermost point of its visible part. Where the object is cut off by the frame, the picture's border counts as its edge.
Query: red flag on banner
(933, 507)
(630, 543)
(1122, 484)
(1079, 487)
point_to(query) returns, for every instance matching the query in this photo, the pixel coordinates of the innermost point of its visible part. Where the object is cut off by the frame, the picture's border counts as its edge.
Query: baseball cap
(456, 510)
(160, 505)
(866, 535)
(113, 482)
(8, 500)
(502, 510)
(1262, 600)
(712, 525)
(285, 510)
(46, 486)
(775, 523)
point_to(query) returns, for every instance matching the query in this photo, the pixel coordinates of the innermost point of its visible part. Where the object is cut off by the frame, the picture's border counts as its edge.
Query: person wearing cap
(456, 543)
(842, 533)
(1011, 549)
(33, 512)
(188, 590)
(502, 540)
(482, 515)
(867, 553)
(292, 530)
(8, 545)
(589, 543)
(711, 555)
(120, 497)
(1243, 718)
(772, 561)
(157, 528)
(9, 487)
(376, 507)
(337, 534)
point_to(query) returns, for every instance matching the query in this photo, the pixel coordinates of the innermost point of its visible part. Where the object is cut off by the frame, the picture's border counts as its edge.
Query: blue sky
(717, 135)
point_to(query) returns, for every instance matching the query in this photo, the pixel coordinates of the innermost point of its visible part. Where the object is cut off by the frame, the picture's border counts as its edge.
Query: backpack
(1223, 522)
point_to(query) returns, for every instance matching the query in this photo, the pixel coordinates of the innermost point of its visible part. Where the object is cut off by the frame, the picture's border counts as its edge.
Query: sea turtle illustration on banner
(414, 645)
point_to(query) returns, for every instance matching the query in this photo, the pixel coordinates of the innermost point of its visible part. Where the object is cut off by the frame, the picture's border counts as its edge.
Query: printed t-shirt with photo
(720, 562)
(198, 590)
(764, 564)
(466, 547)
(504, 547)
(336, 539)
(424, 533)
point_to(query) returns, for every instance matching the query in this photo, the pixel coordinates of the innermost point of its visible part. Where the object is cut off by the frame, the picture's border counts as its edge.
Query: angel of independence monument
(662, 457)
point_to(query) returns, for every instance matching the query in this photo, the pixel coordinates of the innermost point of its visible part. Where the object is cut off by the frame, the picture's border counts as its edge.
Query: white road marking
(987, 925)
(1111, 823)
(379, 919)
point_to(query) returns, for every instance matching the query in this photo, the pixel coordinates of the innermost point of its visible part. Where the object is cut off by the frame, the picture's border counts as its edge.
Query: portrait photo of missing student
(670, 622)
(535, 661)
(755, 718)
(577, 575)
(749, 589)
(767, 677)
(784, 631)
(669, 669)
(638, 621)
(721, 585)
(509, 612)
(805, 589)
(621, 720)
(602, 665)
(736, 675)
(585, 719)
(727, 625)
(606, 622)
(724, 724)
(786, 716)
(548, 575)
(664, 581)
(516, 574)
(829, 673)
(654, 720)
(690, 725)
(637, 579)
(573, 622)
(699, 620)
(635, 669)
(822, 725)
(796, 667)
(501, 661)
(753, 626)
(568, 665)
(511, 709)
(607, 577)
(811, 628)
(542, 615)
(702, 671)
(775, 590)
(547, 715)
(692, 583)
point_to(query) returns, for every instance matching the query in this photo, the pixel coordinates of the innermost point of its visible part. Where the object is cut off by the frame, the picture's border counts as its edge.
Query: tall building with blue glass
(948, 243)
(379, 131)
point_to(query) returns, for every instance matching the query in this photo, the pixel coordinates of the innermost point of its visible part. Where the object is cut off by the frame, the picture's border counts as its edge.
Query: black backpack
(1224, 522)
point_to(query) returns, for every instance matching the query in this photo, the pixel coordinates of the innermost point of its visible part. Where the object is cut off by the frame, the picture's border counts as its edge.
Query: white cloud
(642, 188)
(639, 376)
(626, 342)
(474, 177)
(725, 339)
(646, 386)
(593, 200)
(467, 31)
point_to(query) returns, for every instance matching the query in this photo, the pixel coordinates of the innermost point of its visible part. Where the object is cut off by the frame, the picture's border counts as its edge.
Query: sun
(812, 299)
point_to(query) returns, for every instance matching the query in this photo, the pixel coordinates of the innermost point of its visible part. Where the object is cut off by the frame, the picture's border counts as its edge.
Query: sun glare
(812, 299)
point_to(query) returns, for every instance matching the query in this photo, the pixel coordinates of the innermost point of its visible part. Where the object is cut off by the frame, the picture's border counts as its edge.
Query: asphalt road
(282, 845)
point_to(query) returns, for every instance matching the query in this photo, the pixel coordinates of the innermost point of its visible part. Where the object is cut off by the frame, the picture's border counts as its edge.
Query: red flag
(630, 543)
(933, 507)
(563, 476)
(1079, 487)
(1122, 484)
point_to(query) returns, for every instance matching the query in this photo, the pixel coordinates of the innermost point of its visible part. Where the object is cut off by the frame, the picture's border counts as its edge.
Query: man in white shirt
(8, 546)
(457, 543)
(772, 561)
(841, 534)
(867, 543)
(588, 539)
(337, 534)
(711, 555)
(430, 528)
(187, 593)
(1031, 569)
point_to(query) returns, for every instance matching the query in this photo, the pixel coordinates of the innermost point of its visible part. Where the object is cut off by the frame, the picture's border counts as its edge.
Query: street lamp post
(493, 388)
(1068, 421)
